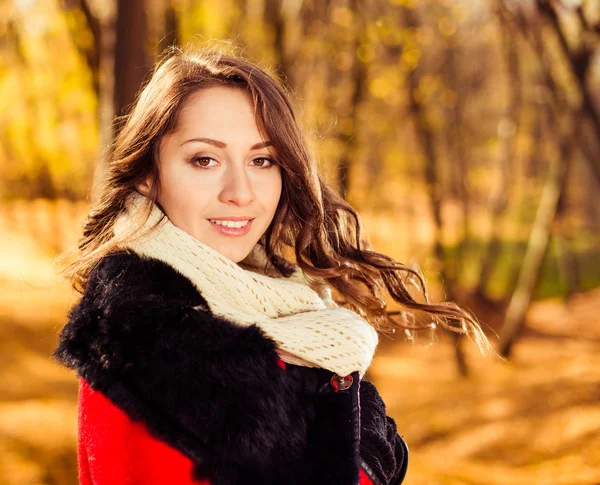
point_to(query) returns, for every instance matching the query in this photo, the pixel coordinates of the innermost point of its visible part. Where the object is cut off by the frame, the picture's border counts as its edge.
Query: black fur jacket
(213, 389)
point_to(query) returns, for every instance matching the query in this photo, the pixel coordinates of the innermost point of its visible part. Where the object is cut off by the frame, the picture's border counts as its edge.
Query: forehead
(222, 113)
(218, 106)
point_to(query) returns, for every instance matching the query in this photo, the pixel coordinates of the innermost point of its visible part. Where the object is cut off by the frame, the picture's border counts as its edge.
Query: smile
(232, 228)
(237, 224)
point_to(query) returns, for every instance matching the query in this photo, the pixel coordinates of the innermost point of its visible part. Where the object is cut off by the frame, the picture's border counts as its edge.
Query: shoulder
(133, 305)
(127, 274)
(136, 308)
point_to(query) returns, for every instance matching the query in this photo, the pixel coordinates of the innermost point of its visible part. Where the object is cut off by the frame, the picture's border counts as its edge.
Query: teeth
(236, 224)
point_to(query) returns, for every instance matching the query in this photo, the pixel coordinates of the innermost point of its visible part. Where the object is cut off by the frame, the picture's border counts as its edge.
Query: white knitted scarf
(307, 326)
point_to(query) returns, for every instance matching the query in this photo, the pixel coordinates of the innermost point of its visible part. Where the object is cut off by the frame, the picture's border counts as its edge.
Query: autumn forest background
(465, 132)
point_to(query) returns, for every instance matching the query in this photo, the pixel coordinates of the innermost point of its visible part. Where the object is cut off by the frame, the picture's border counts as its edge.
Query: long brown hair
(312, 221)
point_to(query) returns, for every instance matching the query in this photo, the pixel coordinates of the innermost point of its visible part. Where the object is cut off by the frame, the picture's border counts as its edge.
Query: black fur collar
(208, 387)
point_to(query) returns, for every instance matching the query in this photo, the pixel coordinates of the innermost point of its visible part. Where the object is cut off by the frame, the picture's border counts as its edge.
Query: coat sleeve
(383, 451)
(208, 387)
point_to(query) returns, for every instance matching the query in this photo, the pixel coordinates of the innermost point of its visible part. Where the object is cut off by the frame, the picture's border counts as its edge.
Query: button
(341, 383)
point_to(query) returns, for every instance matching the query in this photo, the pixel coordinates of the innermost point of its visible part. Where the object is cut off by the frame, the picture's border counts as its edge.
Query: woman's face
(218, 179)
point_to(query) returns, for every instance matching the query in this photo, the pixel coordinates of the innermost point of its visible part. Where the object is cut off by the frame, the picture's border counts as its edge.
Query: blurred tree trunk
(540, 235)
(119, 60)
(168, 21)
(99, 59)
(532, 169)
(566, 260)
(458, 134)
(591, 149)
(106, 110)
(274, 18)
(124, 63)
(132, 61)
(345, 85)
(590, 143)
(90, 52)
(568, 138)
(507, 130)
(591, 185)
(119, 63)
(427, 142)
(579, 61)
(307, 25)
(238, 25)
(36, 182)
(579, 9)
(289, 21)
(358, 73)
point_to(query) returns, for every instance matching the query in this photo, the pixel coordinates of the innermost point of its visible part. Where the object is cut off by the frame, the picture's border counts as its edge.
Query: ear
(144, 187)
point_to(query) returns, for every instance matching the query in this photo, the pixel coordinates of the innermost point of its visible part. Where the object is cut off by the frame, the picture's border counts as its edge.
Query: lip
(232, 231)
(232, 218)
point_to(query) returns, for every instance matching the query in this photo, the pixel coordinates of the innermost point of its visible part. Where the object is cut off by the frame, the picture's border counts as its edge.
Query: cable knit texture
(305, 323)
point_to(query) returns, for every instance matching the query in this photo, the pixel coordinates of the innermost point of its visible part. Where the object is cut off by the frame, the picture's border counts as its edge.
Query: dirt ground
(534, 420)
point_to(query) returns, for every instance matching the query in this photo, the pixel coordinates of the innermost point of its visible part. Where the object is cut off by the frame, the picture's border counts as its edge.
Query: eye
(202, 161)
(269, 163)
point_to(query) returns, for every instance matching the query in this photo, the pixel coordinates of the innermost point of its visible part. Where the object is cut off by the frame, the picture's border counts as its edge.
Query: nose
(237, 187)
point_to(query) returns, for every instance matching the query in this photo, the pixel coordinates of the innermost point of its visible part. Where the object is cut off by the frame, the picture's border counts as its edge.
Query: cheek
(183, 196)
(273, 193)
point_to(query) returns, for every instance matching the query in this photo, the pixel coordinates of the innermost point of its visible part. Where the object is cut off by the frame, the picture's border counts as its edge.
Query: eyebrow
(221, 144)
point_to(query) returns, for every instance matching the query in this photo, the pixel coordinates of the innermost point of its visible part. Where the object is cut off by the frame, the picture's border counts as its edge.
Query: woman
(204, 354)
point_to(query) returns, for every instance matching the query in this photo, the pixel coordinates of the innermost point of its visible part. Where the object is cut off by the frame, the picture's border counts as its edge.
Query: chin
(235, 254)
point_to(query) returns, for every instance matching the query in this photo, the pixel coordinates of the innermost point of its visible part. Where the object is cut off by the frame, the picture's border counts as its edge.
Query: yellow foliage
(524, 144)
(343, 60)
(460, 11)
(425, 35)
(405, 3)
(428, 86)
(434, 118)
(346, 126)
(448, 98)
(212, 17)
(342, 16)
(380, 87)
(365, 52)
(410, 58)
(52, 121)
(387, 85)
(447, 26)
